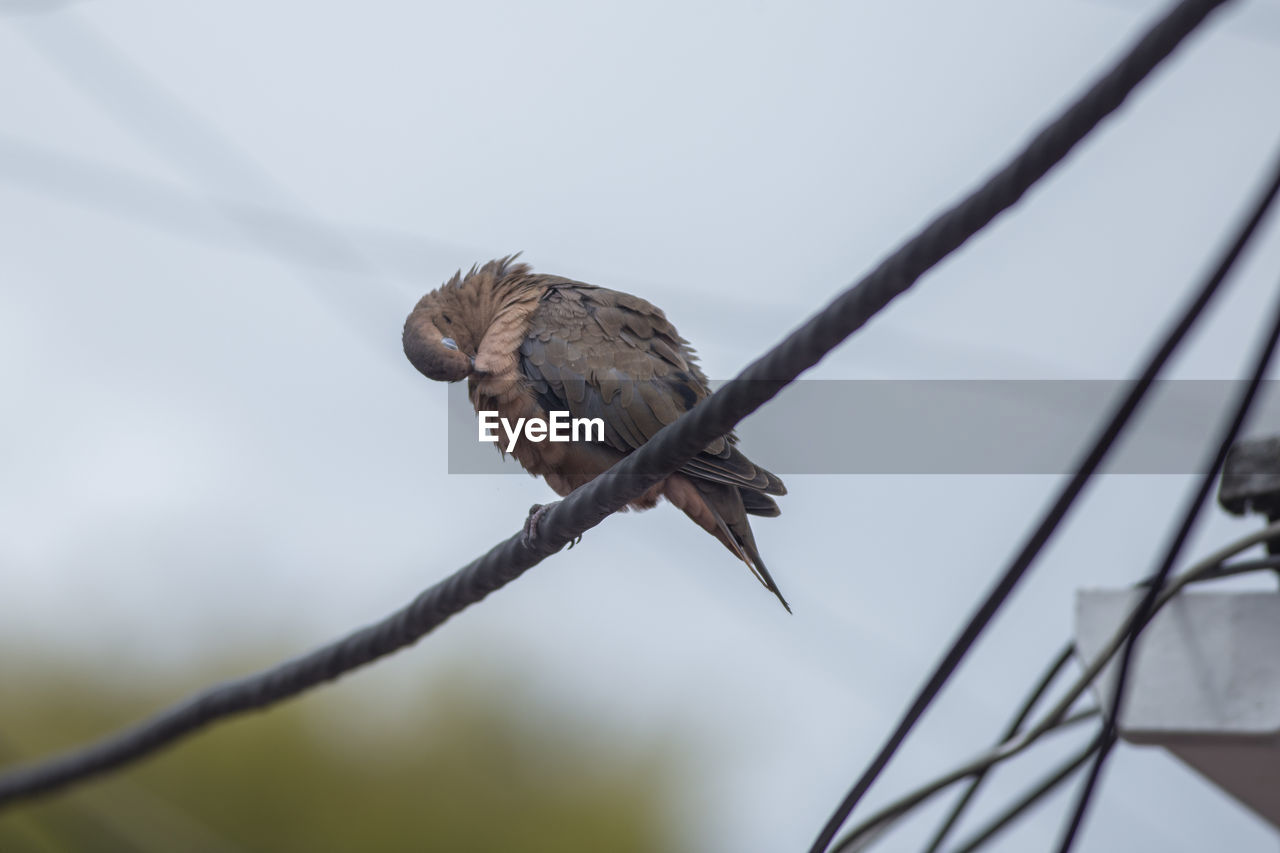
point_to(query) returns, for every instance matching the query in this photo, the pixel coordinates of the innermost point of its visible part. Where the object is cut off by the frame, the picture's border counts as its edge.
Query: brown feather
(529, 344)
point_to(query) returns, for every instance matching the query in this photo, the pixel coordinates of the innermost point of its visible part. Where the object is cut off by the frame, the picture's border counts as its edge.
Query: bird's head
(437, 338)
(443, 335)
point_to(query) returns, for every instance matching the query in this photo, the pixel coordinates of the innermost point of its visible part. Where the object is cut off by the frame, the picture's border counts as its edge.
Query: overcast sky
(216, 216)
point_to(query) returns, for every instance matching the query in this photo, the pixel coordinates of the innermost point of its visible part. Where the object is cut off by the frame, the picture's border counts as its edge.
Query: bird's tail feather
(726, 505)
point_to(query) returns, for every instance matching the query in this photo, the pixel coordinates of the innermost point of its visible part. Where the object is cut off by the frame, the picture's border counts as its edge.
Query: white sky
(208, 422)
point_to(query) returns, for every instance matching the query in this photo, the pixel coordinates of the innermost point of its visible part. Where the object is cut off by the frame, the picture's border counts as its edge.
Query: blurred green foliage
(476, 770)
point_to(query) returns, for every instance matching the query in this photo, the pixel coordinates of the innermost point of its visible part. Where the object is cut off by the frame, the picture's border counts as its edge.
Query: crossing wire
(1158, 42)
(1141, 614)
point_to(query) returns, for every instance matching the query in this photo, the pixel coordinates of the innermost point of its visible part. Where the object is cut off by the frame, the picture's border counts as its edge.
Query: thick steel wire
(668, 450)
(1148, 52)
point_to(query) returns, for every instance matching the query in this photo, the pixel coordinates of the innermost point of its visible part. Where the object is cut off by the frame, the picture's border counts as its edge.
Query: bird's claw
(530, 532)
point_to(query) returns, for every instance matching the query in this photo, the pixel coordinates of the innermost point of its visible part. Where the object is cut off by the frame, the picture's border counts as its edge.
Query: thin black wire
(1050, 673)
(1047, 786)
(1158, 42)
(1142, 613)
(670, 448)
(862, 835)
(1227, 570)
(1032, 699)
(1047, 677)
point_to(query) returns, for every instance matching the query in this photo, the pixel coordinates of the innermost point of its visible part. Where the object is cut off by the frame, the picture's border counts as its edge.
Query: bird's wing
(598, 353)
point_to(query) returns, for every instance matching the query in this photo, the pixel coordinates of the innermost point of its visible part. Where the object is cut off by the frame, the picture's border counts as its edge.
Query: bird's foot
(530, 533)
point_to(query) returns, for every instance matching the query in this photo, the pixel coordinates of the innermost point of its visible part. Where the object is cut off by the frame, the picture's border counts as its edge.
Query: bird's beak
(450, 343)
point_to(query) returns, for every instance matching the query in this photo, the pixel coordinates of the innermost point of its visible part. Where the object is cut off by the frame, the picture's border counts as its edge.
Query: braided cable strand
(501, 565)
(667, 451)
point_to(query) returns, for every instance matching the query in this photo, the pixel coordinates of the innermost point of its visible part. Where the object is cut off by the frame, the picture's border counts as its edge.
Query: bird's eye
(450, 343)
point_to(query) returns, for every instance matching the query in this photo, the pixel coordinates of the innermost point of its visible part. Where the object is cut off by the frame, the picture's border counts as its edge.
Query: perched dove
(531, 344)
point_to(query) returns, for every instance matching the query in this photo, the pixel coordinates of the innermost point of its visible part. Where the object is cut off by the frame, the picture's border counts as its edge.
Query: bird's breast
(565, 465)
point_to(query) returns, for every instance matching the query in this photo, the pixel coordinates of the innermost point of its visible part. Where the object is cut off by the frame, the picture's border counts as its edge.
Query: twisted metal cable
(665, 452)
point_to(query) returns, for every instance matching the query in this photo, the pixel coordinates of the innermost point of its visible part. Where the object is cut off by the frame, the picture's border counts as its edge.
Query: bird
(530, 344)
